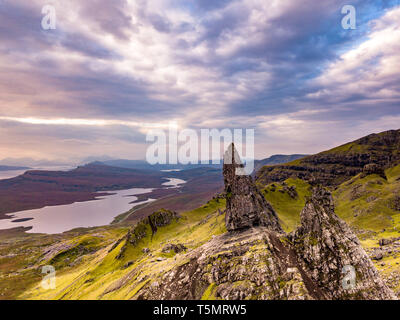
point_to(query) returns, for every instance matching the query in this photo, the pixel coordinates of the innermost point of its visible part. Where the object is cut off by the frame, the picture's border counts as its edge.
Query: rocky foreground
(322, 259)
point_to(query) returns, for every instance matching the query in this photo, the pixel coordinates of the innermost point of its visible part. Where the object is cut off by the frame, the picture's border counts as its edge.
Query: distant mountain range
(276, 159)
(143, 165)
(28, 163)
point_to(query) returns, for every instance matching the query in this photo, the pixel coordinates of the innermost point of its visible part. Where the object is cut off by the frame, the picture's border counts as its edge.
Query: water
(57, 219)
(173, 183)
(11, 174)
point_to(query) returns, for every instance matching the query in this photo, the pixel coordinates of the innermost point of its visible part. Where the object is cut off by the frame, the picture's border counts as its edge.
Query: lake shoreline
(43, 220)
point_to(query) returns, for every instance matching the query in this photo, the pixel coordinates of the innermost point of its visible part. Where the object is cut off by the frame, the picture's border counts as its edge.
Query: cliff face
(333, 167)
(322, 259)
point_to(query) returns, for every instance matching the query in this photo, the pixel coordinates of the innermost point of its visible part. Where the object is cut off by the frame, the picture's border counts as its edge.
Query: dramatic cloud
(113, 69)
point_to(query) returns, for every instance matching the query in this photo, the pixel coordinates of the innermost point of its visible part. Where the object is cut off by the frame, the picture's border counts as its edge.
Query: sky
(113, 70)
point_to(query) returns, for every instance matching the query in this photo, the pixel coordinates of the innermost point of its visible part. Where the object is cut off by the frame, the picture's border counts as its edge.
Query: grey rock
(324, 245)
(177, 248)
(245, 205)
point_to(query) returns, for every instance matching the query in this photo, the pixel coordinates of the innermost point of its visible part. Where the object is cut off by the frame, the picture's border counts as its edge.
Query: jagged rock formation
(158, 219)
(325, 245)
(322, 259)
(335, 166)
(239, 265)
(245, 205)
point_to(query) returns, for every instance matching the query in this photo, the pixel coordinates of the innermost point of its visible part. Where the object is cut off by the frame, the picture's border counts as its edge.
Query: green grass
(209, 294)
(287, 208)
(365, 202)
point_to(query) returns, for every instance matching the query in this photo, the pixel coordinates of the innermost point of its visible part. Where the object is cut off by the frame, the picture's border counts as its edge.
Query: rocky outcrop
(177, 248)
(321, 260)
(373, 168)
(245, 205)
(394, 203)
(235, 265)
(161, 218)
(156, 220)
(331, 254)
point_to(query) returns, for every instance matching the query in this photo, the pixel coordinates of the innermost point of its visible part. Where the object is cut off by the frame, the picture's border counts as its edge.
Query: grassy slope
(20, 255)
(375, 218)
(287, 208)
(102, 276)
(366, 203)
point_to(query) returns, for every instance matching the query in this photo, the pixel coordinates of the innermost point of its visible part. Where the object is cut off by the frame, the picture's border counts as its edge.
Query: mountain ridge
(335, 166)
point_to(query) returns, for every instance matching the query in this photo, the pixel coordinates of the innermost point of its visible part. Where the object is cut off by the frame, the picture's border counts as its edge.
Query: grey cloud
(271, 72)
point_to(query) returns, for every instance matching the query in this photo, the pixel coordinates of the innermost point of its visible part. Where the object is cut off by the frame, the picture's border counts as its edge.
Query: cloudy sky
(113, 69)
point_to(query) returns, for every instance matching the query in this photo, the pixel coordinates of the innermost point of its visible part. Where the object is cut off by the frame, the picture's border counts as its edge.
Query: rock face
(373, 168)
(177, 248)
(245, 205)
(330, 253)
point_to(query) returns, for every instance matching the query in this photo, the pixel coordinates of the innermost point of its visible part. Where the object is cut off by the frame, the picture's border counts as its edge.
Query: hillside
(375, 152)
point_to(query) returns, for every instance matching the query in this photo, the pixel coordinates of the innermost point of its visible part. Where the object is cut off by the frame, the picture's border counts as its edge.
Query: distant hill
(375, 152)
(31, 163)
(144, 165)
(276, 159)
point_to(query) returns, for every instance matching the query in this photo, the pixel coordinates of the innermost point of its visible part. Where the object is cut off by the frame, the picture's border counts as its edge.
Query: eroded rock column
(245, 205)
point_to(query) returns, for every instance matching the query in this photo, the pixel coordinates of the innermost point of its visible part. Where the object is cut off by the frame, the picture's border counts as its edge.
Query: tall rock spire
(245, 205)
